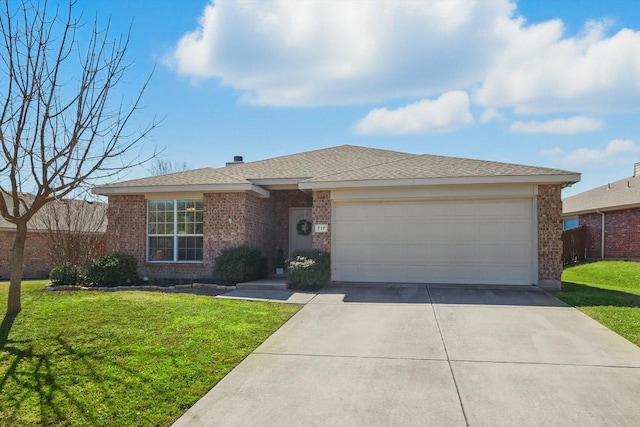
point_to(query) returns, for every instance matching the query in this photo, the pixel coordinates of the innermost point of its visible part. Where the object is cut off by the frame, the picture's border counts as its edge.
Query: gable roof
(438, 169)
(62, 215)
(622, 194)
(339, 166)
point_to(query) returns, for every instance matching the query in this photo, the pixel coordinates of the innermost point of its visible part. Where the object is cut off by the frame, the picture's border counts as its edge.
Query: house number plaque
(322, 228)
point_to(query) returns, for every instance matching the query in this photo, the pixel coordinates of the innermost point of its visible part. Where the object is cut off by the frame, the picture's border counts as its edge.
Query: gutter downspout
(602, 235)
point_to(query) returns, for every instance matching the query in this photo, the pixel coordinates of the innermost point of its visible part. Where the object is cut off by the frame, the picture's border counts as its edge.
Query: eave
(520, 179)
(201, 188)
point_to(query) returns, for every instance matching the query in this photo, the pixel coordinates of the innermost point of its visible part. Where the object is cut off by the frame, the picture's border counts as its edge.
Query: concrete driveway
(429, 355)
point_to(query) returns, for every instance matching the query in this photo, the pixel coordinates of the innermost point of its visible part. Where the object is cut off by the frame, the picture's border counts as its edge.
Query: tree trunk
(17, 258)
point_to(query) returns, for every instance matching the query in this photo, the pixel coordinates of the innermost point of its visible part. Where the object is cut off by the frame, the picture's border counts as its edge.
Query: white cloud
(307, 52)
(310, 53)
(491, 115)
(446, 113)
(543, 71)
(571, 125)
(616, 151)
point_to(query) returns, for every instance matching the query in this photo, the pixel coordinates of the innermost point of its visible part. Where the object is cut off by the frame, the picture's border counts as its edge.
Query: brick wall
(126, 225)
(549, 235)
(593, 222)
(260, 226)
(230, 219)
(37, 262)
(321, 214)
(621, 235)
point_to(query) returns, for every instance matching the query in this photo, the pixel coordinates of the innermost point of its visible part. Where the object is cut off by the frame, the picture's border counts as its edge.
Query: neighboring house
(385, 216)
(614, 207)
(52, 234)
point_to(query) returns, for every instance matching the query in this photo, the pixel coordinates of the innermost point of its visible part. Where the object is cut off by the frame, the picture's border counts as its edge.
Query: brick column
(321, 213)
(127, 226)
(549, 236)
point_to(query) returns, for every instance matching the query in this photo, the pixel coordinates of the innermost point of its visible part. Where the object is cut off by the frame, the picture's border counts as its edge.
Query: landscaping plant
(309, 267)
(239, 264)
(113, 269)
(65, 273)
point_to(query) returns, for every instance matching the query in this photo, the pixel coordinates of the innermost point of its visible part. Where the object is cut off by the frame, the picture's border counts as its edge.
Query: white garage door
(467, 242)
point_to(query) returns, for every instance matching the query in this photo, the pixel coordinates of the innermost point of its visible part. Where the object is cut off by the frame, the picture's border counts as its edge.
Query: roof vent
(236, 161)
(636, 169)
(609, 186)
(628, 184)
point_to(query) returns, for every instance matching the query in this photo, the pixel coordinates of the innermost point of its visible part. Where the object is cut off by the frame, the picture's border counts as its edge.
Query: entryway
(300, 229)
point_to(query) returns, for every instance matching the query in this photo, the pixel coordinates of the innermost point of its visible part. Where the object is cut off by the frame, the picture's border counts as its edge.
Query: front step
(273, 283)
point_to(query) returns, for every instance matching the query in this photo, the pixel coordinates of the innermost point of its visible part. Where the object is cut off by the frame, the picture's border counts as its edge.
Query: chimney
(636, 169)
(236, 161)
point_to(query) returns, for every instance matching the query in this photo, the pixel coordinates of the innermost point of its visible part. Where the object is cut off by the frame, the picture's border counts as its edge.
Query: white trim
(201, 188)
(174, 235)
(517, 179)
(603, 209)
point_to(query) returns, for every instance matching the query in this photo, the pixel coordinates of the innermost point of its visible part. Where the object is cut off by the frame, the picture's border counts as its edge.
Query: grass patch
(607, 291)
(121, 358)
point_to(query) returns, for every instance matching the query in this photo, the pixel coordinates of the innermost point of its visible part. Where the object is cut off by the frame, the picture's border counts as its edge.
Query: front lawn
(609, 292)
(121, 358)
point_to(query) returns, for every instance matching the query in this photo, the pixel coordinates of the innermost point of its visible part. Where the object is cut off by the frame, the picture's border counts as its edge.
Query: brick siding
(37, 262)
(549, 235)
(230, 219)
(621, 237)
(321, 214)
(593, 222)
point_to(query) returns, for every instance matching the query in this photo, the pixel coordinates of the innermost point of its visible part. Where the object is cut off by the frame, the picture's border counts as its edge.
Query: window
(569, 223)
(174, 230)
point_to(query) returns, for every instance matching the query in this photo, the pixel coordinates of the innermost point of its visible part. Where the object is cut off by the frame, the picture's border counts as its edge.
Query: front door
(300, 236)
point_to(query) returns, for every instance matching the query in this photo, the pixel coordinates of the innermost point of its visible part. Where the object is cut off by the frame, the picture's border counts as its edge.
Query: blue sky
(550, 83)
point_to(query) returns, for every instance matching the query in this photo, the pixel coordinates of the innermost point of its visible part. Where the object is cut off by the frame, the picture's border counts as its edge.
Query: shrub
(65, 273)
(112, 270)
(309, 268)
(239, 264)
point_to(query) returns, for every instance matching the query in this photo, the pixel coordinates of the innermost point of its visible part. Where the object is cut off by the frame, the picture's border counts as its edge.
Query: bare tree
(163, 167)
(62, 124)
(75, 230)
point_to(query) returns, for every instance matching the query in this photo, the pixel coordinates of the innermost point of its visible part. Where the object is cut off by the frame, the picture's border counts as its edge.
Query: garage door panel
(486, 241)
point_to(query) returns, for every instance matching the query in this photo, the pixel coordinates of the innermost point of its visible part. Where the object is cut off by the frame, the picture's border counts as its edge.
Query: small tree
(62, 125)
(74, 230)
(163, 167)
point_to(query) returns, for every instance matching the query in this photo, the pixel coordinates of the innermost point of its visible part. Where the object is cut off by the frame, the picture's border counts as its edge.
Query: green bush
(113, 270)
(309, 268)
(65, 273)
(239, 264)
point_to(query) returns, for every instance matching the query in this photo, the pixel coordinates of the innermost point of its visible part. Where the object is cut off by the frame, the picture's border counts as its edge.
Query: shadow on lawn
(577, 294)
(30, 375)
(5, 328)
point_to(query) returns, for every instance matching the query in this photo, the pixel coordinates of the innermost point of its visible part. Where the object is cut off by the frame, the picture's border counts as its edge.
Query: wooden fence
(574, 244)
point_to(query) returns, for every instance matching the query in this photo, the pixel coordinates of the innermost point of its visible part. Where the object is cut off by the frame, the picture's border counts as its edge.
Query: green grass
(121, 358)
(609, 292)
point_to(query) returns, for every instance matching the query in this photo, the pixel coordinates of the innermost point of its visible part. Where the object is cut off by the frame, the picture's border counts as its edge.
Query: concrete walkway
(431, 356)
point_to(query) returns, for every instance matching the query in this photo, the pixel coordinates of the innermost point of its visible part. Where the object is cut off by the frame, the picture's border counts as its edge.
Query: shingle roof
(202, 176)
(429, 166)
(61, 215)
(341, 163)
(616, 195)
(315, 163)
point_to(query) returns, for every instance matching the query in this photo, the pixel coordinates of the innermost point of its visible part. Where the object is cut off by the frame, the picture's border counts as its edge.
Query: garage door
(466, 242)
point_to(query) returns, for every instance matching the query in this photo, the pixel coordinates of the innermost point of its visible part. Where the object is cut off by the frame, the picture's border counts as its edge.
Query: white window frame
(175, 235)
